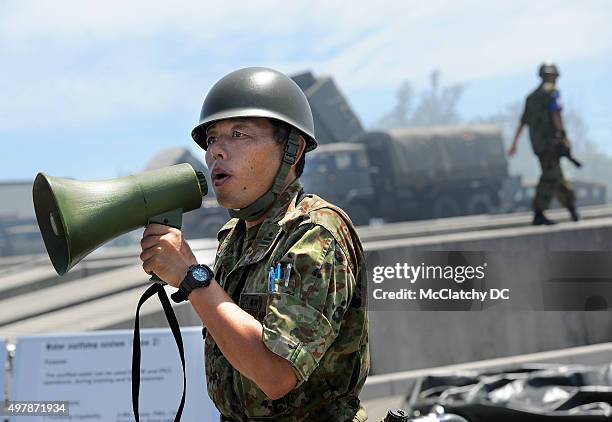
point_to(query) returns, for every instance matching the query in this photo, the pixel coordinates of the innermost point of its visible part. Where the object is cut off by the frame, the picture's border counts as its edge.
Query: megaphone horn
(76, 217)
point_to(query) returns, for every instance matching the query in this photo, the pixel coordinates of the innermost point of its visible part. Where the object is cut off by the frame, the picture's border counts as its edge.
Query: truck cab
(341, 174)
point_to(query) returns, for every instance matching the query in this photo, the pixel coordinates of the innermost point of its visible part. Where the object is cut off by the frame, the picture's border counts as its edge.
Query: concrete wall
(401, 340)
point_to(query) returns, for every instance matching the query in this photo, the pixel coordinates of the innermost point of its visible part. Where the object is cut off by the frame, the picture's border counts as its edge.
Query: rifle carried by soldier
(564, 149)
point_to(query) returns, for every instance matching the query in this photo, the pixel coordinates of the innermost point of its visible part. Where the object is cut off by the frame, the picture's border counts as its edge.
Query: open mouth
(220, 178)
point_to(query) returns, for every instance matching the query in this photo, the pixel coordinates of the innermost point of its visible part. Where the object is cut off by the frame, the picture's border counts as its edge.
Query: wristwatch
(197, 276)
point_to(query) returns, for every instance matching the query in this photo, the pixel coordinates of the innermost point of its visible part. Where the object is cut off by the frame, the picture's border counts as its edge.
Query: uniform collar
(284, 202)
(271, 226)
(269, 229)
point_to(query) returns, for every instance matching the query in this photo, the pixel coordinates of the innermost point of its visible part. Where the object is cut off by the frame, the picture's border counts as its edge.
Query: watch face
(200, 274)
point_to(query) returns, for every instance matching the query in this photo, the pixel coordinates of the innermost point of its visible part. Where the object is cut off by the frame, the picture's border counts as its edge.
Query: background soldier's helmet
(256, 92)
(548, 68)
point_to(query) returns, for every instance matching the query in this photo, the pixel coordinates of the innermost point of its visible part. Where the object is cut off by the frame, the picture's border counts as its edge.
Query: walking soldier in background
(549, 142)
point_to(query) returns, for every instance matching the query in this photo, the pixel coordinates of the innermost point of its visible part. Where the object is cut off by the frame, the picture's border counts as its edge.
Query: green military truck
(414, 173)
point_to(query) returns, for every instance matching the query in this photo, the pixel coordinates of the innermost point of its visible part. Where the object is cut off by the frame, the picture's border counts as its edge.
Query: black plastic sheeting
(530, 393)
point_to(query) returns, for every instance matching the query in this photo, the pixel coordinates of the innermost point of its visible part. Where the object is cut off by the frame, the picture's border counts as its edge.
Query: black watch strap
(180, 295)
(189, 283)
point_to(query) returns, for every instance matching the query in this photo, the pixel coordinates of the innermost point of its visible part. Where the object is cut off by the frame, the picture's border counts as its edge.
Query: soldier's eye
(210, 140)
(238, 134)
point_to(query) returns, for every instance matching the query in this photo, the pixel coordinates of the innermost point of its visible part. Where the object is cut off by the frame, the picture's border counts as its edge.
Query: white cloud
(471, 39)
(146, 57)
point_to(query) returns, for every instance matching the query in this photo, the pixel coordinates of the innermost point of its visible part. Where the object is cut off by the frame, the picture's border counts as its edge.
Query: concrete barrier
(401, 341)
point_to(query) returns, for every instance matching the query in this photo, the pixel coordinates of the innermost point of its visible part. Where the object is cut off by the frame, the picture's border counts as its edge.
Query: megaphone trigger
(172, 218)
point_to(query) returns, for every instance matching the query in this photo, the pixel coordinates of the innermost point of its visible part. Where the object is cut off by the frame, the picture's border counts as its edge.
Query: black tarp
(530, 393)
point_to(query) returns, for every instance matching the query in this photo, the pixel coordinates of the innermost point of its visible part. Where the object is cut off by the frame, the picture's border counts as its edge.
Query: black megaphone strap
(176, 332)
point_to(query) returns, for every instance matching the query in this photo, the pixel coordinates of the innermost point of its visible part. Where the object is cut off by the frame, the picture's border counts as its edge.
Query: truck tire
(446, 206)
(479, 203)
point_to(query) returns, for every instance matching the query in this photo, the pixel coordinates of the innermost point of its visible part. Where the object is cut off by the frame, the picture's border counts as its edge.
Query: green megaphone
(76, 217)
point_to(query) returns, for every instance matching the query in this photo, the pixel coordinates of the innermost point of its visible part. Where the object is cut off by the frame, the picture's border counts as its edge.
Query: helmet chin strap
(258, 208)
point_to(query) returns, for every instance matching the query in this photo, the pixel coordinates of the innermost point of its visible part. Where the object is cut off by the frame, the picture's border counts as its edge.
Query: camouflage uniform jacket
(318, 321)
(538, 116)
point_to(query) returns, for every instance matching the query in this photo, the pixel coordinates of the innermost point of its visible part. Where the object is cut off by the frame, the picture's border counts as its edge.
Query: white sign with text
(92, 371)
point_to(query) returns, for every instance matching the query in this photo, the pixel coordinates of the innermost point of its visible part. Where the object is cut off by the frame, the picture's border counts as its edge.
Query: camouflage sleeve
(304, 318)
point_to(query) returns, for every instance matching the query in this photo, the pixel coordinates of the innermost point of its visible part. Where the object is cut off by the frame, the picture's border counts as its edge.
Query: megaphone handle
(172, 218)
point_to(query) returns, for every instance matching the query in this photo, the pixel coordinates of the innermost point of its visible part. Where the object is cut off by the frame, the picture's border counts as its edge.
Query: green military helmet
(256, 92)
(260, 92)
(548, 68)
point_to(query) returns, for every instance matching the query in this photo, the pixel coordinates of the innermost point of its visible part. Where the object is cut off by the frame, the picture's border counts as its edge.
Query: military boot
(573, 213)
(540, 219)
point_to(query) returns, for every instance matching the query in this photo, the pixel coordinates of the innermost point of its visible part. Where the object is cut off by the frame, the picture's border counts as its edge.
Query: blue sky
(93, 90)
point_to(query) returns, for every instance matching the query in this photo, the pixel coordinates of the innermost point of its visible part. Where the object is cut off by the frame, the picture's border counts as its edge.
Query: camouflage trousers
(552, 183)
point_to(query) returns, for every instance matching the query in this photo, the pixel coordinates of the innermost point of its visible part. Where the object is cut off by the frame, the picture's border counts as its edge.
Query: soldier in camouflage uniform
(543, 116)
(296, 350)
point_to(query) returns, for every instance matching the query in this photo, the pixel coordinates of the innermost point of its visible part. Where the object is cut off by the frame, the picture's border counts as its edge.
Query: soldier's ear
(301, 150)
